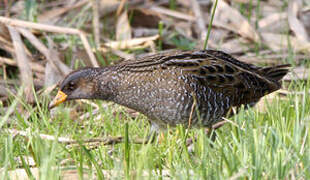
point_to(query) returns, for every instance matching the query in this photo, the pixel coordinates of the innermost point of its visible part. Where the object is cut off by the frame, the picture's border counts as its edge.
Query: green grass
(257, 145)
(268, 145)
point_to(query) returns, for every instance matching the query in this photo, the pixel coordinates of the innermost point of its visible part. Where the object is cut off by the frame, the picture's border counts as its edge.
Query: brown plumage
(165, 86)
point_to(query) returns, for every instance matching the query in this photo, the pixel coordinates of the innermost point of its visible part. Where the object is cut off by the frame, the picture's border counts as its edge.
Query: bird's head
(80, 84)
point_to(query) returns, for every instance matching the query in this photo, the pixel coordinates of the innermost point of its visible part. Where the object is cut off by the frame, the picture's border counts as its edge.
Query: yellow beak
(60, 97)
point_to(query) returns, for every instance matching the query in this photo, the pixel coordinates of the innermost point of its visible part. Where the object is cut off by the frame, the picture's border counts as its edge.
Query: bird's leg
(211, 131)
(151, 137)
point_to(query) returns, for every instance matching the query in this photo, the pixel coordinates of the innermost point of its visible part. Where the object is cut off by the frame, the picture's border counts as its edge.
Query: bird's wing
(225, 74)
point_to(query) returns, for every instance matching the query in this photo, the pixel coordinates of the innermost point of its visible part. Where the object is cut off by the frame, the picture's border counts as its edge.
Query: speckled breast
(168, 97)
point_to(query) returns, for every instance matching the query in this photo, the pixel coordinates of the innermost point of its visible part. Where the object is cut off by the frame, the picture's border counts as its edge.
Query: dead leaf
(52, 76)
(298, 73)
(264, 102)
(200, 20)
(146, 18)
(129, 43)
(123, 29)
(270, 7)
(229, 18)
(28, 159)
(241, 1)
(172, 13)
(18, 7)
(280, 41)
(142, 32)
(268, 23)
(236, 45)
(20, 174)
(185, 29)
(72, 174)
(296, 26)
(185, 3)
(274, 3)
(305, 19)
(51, 16)
(106, 7)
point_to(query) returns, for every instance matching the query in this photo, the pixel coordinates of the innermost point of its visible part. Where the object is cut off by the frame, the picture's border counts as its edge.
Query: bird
(197, 87)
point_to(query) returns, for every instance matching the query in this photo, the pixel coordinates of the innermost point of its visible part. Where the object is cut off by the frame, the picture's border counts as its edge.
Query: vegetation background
(42, 40)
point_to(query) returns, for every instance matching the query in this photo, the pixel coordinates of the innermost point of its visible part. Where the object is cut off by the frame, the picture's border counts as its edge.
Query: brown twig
(68, 141)
(106, 141)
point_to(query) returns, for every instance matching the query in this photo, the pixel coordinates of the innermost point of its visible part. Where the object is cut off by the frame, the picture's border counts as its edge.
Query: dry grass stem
(42, 136)
(43, 27)
(23, 64)
(8, 46)
(239, 174)
(34, 66)
(191, 115)
(302, 149)
(120, 7)
(55, 29)
(89, 50)
(96, 26)
(69, 141)
(50, 57)
(229, 121)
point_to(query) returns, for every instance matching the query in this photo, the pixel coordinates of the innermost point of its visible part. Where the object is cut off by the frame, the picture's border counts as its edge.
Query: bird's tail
(275, 73)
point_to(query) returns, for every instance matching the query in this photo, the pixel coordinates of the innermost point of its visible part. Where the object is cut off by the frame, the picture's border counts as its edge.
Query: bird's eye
(71, 86)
